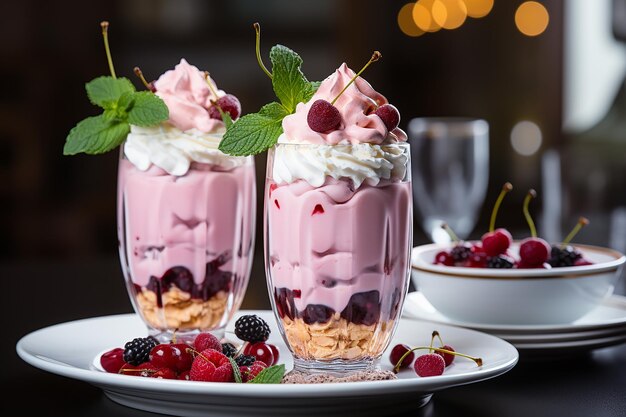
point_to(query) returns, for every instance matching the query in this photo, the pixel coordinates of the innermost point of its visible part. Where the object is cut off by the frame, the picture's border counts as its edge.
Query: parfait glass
(451, 173)
(186, 243)
(337, 257)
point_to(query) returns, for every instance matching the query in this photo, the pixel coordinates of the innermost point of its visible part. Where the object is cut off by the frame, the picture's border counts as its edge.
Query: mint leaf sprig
(256, 132)
(122, 106)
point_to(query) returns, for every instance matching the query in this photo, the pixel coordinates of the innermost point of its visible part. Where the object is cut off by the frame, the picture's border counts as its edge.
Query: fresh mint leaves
(290, 84)
(272, 375)
(95, 135)
(122, 107)
(257, 132)
(105, 91)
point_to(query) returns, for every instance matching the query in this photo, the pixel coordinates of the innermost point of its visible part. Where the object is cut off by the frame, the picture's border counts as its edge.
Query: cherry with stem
(105, 36)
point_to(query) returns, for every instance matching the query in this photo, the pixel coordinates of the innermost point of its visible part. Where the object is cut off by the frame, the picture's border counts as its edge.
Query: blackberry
(245, 360)
(460, 253)
(137, 351)
(252, 328)
(499, 262)
(560, 257)
(229, 350)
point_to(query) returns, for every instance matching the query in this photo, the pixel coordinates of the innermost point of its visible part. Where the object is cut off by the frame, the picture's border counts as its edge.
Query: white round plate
(604, 326)
(69, 349)
(574, 345)
(610, 314)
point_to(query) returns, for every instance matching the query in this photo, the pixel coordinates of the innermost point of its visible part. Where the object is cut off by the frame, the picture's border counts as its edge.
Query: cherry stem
(583, 221)
(531, 194)
(129, 370)
(105, 35)
(257, 30)
(505, 189)
(139, 74)
(375, 57)
(396, 368)
(436, 334)
(211, 86)
(447, 228)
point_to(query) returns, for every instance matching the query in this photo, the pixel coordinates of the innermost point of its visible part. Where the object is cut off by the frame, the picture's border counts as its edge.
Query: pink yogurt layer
(332, 242)
(186, 221)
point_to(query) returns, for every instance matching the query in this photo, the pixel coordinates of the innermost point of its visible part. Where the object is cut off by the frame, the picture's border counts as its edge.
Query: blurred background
(547, 76)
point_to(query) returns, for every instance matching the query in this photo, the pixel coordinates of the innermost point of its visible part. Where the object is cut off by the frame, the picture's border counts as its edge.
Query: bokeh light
(478, 8)
(526, 138)
(406, 23)
(449, 14)
(531, 18)
(422, 15)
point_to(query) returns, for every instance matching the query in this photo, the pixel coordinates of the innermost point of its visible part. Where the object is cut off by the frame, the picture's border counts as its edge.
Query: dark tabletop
(593, 384)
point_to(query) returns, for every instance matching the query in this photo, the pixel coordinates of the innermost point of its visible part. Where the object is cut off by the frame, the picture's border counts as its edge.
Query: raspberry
(245, 360)
(229, 350)
(252, 328)
(430, 364)
(211, 365)
(137, 351)
(207, 341)
(201, 370)
(250, 372)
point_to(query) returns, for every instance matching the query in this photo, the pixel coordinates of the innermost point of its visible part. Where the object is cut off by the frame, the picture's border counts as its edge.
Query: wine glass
(450, 173)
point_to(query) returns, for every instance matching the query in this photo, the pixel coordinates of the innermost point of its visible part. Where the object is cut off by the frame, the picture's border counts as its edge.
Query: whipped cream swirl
(173, 150)
(359, 162)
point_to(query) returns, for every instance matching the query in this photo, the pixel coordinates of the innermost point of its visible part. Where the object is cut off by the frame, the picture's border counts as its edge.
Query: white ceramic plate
(604, 326)
(49, 349)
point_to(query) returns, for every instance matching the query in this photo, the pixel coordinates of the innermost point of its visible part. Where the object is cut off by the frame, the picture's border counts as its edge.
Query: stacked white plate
(602, 327)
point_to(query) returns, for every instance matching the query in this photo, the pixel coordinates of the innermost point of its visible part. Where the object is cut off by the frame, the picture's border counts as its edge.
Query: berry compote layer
(338, 256)
(186, 242)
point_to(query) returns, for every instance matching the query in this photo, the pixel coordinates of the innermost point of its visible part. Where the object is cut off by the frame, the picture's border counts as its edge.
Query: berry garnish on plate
(204, 358)
(398, 352)
(252, 328)
(137, 351)
(427, 364)
(112, 361)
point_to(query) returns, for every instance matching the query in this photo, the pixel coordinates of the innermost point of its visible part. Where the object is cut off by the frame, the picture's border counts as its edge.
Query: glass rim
(459, 125)
(338, 145)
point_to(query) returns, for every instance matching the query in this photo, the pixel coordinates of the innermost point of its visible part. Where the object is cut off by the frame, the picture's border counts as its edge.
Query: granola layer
(336, 339)
(180, 311)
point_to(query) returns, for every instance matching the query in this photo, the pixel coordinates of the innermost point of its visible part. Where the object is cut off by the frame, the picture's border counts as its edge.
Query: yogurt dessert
(186, 211)
(338, 225)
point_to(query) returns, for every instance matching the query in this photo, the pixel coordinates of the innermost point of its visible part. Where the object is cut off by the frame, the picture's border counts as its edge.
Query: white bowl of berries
(524, 282)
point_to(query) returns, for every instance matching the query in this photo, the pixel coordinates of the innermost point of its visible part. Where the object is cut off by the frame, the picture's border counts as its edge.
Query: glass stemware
(450, 173)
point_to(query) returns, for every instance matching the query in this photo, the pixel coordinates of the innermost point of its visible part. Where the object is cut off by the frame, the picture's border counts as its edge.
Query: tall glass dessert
(337, 212)
(338, 229)
(186, 211)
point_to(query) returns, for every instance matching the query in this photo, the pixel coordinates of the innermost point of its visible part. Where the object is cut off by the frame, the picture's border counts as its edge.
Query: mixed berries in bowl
(500, 280)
